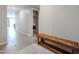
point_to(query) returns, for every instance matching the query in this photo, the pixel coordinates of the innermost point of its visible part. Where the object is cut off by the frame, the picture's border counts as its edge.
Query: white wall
(3, 24)
(62, 21)
(24, 21)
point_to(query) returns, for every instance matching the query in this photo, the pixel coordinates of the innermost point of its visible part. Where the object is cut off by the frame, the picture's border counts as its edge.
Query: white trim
(3, 43)
(35, 9)
(27, 34)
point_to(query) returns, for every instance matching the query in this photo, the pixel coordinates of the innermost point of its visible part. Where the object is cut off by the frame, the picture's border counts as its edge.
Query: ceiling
(23, 6)
(11, 8)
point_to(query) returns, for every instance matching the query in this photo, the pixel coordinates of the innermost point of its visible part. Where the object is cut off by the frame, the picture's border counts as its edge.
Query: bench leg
(42, 40)
(38, 40)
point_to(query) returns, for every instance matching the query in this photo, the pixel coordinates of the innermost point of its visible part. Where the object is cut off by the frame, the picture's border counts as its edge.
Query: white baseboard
(27, 34)
(3, 43)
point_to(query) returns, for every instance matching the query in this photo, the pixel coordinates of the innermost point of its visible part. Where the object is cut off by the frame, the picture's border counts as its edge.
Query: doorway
(11, 28)
(35, 22)
(11, 23)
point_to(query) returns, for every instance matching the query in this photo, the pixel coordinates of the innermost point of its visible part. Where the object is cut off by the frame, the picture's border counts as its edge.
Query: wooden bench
(64, 42)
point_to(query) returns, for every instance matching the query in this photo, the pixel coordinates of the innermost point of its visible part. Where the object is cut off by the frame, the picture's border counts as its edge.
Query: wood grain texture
(64, 42)
(54, 49)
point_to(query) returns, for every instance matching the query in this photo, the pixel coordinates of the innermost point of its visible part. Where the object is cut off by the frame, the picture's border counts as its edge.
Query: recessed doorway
(35, 22)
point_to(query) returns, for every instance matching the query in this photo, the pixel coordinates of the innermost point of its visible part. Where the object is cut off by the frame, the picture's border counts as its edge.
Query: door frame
(38, 18)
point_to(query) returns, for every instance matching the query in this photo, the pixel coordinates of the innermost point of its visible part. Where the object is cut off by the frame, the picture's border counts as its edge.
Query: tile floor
(16, 42)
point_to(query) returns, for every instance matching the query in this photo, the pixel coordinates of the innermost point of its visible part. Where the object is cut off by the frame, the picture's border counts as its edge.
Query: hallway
(60, 21)
(17, 38)
(16, 42)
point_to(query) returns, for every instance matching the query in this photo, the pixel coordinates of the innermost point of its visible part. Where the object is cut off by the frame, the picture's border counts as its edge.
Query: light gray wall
(3, 24)
(24, 21)
(61, 21)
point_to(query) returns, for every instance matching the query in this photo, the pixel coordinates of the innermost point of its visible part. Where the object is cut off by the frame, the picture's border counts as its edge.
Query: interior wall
(3, 24)
(24, 21)
(61, 21)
